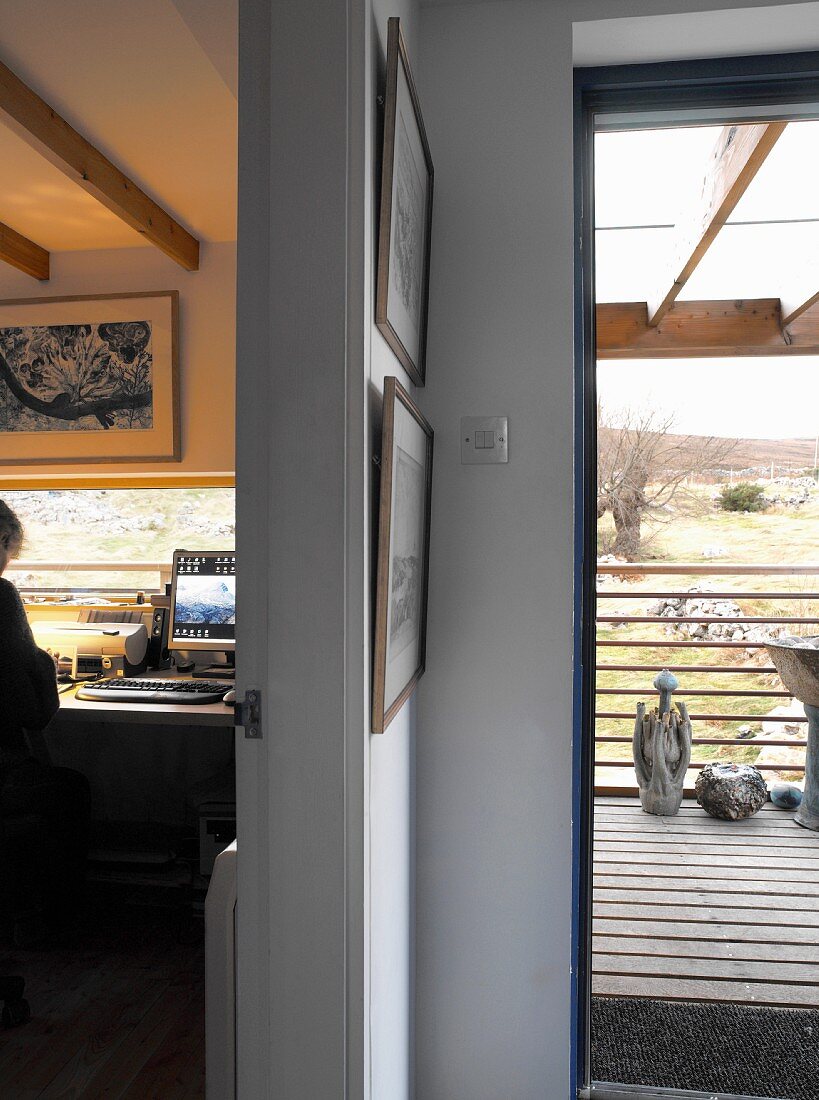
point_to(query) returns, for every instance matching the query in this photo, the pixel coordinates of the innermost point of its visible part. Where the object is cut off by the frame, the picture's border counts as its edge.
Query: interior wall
(391, 778)
(495, 706)
(207, 348)
(494, 736)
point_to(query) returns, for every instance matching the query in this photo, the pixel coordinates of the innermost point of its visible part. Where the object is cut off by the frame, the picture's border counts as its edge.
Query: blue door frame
(734, 82)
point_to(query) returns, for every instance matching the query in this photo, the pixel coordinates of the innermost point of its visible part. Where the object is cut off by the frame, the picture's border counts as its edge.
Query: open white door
(300, 536)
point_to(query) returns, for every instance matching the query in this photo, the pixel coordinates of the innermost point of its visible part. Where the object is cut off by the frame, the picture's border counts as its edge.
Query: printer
(118, 649)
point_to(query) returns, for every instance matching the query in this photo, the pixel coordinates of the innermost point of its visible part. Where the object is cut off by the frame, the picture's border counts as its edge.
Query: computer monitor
(203, 601)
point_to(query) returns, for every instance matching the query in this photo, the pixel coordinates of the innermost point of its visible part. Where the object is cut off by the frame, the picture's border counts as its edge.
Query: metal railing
(662, 653)
(160, 573)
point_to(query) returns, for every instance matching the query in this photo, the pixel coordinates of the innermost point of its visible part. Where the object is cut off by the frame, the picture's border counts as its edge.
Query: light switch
(484, 439)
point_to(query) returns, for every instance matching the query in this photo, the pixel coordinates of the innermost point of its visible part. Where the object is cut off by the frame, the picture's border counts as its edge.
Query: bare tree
(642, 467)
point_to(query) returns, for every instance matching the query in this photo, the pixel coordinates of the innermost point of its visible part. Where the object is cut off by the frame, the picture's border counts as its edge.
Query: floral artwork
(77, 377)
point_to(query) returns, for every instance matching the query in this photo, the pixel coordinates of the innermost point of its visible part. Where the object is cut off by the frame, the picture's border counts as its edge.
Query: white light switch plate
(484, 440)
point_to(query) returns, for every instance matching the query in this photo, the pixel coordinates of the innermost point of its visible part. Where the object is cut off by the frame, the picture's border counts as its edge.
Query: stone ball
(787, 796)
(731, 791)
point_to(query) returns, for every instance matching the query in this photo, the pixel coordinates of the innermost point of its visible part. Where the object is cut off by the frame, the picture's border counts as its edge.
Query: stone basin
(797, 662)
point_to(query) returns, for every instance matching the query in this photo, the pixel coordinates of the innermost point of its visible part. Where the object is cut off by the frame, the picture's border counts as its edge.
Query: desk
(145, 714)
(140, 758)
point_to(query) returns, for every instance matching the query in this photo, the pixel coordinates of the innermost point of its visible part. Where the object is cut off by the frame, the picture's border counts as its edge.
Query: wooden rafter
(25, 255)
(693, 330)
(40, 126)
(736, 159)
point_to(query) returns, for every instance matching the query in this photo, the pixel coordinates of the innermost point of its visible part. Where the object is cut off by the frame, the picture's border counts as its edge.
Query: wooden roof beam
(40, 126)
(711, 329)
(25, 255)
(737, 157)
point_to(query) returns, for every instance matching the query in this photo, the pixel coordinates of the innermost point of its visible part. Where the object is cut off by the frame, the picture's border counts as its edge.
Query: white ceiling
(737, 32)
(151, 83)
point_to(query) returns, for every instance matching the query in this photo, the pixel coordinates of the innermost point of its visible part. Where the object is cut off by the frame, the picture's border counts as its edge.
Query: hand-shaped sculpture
(662, 750)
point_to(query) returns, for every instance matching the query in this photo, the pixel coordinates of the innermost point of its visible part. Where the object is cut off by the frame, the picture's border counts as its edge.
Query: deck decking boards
(691, 908)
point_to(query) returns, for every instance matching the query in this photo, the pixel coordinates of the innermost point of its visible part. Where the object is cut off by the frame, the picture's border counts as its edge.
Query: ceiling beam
(736, 158)
(696, 330)
(40, 126)
(25, 255)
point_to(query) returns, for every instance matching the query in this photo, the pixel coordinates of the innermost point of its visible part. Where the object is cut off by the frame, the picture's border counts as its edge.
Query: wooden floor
(119, 1014)
(691, 908)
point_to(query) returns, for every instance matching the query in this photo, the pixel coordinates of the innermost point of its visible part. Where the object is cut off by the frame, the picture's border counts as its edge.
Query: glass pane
(65, 527)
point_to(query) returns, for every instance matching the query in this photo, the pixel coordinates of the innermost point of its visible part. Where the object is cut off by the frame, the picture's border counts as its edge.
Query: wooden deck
(691, 908)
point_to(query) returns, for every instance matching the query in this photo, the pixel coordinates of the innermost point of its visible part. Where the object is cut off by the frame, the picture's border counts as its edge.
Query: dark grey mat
(772, 1052)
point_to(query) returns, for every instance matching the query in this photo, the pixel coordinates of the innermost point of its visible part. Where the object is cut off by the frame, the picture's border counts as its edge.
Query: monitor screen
(203, 600)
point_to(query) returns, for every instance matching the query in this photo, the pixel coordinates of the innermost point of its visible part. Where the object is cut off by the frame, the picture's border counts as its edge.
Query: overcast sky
(644, 179)
(753, 398)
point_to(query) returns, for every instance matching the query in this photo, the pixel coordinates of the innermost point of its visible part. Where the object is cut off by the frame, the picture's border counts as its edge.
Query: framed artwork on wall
(90, 379)
(403, 553)
(405, 223)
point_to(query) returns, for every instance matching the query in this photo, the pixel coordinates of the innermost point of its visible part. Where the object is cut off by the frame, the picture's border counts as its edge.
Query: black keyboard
(120, 690)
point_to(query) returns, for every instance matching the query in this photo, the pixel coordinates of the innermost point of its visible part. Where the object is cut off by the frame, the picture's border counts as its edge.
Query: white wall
(494, 771)
(207, 344)
(495, 706)
(392, 754)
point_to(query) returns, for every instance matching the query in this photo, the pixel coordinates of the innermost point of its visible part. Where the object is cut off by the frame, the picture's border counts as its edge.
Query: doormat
(741, 1049)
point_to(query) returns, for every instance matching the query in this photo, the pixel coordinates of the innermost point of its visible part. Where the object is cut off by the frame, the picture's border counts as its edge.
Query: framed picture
(89, 379)
(403, 553)
(402, 287)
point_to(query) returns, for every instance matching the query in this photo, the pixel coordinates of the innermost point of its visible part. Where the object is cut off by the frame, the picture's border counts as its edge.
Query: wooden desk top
(159, 714)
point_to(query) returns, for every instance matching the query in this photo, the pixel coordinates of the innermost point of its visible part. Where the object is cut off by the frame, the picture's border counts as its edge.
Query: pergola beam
(737, 157)
(712, 329)
(25, 255)
(40, 126)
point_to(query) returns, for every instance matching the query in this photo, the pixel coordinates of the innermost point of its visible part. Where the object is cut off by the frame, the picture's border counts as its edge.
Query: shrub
(745, 496)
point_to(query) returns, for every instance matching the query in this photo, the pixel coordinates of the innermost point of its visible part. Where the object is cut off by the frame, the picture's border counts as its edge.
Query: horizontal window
(96, 540)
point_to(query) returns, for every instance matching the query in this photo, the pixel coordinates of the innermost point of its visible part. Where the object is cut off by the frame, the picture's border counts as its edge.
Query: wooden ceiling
(117, 127)
(665, 327)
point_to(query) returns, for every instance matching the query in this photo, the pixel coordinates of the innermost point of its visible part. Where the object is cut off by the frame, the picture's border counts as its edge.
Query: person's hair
(11, 531)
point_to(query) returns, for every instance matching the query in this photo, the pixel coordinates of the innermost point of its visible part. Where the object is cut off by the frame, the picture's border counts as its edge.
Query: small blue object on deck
(787, 796)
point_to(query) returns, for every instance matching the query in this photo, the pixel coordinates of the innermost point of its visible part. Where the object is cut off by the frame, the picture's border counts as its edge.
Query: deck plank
(727, 948)
(693, 908)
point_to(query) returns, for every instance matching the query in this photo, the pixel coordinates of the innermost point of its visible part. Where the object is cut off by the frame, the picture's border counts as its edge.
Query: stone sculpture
(662, 750)
(731, 791)
(797, 662)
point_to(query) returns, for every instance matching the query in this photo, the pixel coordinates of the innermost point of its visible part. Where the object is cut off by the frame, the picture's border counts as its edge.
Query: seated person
(41, 871)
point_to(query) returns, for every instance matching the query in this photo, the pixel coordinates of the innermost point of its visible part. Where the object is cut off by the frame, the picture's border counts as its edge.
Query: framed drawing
(89, 379)
(403, 553)
(405, 226)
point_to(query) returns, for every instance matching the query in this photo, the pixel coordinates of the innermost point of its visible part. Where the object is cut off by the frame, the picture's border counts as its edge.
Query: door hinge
(249, 714)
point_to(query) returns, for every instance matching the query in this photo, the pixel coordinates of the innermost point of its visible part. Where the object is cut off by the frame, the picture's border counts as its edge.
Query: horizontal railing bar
(733, 692)
(702, 763)
(686, 668)
(713, 569)
(711, 717)
(667, 643)
(748, 742)
(25, 566)
(706, 619)
(638, 594)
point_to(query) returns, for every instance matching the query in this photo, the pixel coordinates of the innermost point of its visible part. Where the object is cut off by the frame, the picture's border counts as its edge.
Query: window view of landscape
(707, 511)
(68, 526)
